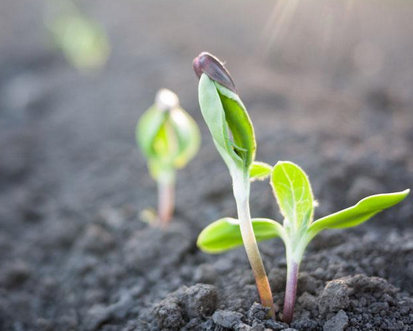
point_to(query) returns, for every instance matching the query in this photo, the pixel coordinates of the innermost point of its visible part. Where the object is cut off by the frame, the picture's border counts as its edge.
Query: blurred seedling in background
(168, 138)
(83, 41)
(294, 196)
(233, 135)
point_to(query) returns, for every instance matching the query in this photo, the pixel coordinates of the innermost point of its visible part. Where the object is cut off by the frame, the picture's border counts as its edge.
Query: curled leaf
(229, 124)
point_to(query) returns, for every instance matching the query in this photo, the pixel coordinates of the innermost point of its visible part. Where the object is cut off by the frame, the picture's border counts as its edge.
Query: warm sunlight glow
(278, 22)
(286, 14)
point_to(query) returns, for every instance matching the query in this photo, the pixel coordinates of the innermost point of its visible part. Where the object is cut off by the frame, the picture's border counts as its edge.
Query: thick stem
(290, 290)
(166, 201)
(241, 193)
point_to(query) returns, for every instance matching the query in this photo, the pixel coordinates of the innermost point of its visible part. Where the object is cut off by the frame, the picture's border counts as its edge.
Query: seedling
(233, 135)
(83, 41)
(169, 138)
(294, 196)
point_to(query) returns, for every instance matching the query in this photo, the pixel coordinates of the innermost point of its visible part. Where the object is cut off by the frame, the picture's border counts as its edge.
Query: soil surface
(328, 84)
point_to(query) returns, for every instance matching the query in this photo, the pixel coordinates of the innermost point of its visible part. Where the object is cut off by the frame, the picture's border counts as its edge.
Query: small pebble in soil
(200, 300)
(168, 314)
(226, 318)
(337, 323)
(334, 297)
(185, 304)
(257, 312)
(304, 323)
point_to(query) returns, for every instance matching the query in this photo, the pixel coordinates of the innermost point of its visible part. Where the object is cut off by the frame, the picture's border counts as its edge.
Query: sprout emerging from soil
(169, 138)
(233, 135)
(294, 196)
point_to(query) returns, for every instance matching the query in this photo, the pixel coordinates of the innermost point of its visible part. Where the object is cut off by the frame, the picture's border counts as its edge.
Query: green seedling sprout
(233, 136)
(169, 138)
(83, 41)
(294, 196)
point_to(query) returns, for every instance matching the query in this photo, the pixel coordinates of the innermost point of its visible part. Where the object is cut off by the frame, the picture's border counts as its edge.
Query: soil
(330, 88)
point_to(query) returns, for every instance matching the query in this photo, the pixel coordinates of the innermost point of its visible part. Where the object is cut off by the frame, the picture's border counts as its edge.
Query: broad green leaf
(294, 195)
(225, 234)
(359, 213)
(229, 124)
(260, 171)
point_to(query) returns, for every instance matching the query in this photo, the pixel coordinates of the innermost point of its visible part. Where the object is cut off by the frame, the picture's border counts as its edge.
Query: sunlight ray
(278, 23)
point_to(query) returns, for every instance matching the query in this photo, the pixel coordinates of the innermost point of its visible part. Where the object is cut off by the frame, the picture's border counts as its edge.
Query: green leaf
(294, 195)
(167, 135)
(83, 42)
(229, 124)
(148, 129)
(260, 171)
(188, 136)
(225, 234)
(359, 213)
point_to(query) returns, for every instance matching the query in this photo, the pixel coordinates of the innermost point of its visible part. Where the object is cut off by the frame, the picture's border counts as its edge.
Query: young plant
(83, 42)
(169, 138)
(233, 136)
(294, 195)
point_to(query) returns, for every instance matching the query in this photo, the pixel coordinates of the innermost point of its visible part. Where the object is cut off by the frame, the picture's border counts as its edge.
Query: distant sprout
(233, 135)
(295, 198)
(83, 41)
(169, 138)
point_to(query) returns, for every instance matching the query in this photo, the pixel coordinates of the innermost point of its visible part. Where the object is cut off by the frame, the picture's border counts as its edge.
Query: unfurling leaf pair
(233, 135)
(225, 115)
(169, 138)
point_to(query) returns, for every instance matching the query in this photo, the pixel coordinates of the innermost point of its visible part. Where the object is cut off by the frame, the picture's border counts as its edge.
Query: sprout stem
(166, 201)
(241, 193)
(290, 290)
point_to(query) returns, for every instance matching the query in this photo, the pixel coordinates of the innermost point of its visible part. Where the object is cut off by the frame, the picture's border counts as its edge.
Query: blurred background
(70, 90)
(328, 84)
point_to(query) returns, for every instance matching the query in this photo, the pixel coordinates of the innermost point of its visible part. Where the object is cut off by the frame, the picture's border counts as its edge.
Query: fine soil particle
(336, 99)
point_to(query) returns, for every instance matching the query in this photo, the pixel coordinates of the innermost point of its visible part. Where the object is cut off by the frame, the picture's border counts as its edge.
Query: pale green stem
(166, 199)
(241, 188)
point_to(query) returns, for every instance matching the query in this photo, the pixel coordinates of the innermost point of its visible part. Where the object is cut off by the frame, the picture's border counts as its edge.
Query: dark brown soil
(331, 89)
